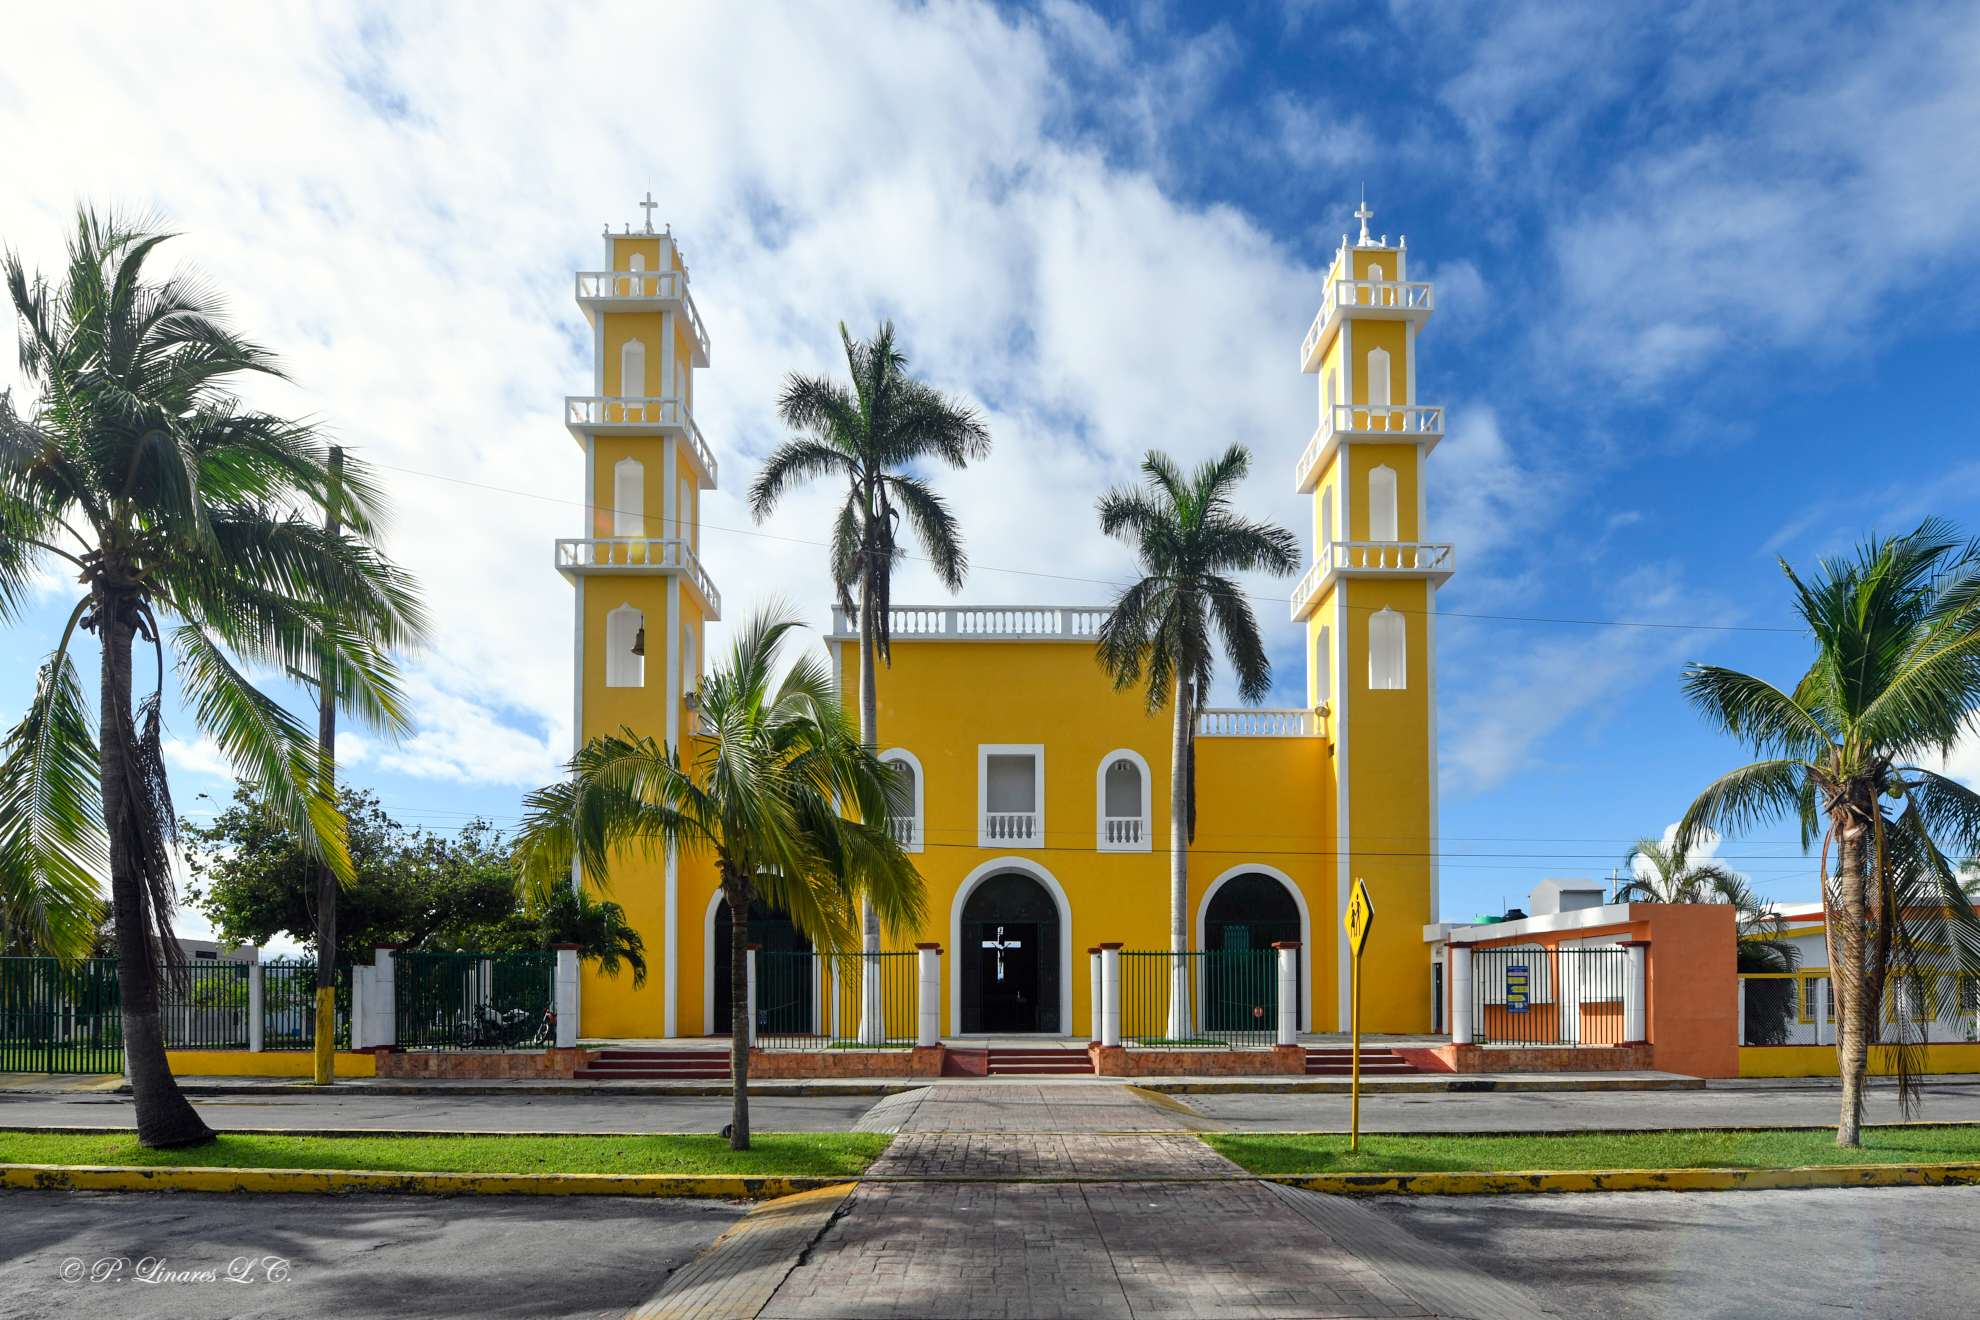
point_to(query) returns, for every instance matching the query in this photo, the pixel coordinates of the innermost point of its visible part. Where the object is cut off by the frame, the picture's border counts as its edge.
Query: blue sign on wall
(1518, 979)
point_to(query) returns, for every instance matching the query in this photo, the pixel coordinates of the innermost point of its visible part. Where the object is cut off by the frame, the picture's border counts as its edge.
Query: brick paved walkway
(1043, 1108)
(1108, 1156)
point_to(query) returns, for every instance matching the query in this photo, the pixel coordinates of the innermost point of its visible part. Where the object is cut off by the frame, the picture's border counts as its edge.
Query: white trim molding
(1123, 833)
(1024, 866)
(1009, 829)
(1305, 927)
(910, 832)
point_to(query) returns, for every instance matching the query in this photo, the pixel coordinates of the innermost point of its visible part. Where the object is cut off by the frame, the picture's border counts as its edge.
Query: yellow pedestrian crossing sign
(1360, 916)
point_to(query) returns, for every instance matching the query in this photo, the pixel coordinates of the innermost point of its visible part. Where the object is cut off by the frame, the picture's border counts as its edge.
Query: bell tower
(642, 593)
(1369, 605)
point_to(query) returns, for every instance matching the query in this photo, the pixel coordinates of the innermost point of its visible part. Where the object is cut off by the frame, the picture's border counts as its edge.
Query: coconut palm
(1895, 680)
(1163, 630)
(1665, 874)
(185, 517)
(870, 434)
(762, 790)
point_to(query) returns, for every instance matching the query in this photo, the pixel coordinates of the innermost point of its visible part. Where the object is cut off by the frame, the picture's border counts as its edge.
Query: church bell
(639, 642)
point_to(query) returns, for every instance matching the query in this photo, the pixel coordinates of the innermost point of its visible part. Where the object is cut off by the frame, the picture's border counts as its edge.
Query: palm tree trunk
(164, 1119)
(1854, 1018)
(326, 879)
(736, 889)
(1179, 1025)
(872, 1016)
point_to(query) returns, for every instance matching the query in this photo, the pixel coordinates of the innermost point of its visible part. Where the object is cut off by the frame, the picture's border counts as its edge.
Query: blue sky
(1705, 297)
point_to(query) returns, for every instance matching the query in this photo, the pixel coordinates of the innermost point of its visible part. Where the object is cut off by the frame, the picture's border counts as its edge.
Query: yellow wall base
(1820, 1060)
(268, 1063)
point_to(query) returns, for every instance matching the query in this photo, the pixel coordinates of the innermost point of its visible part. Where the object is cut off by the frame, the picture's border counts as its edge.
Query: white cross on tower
(648, 205)
(1365, 216)
(1000, 944)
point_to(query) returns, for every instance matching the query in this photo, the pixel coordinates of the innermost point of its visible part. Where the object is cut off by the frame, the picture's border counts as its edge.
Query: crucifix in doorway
(1000, 944)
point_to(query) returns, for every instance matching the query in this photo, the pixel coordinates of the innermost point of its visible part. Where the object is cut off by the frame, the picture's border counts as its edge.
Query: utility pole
(326, 750)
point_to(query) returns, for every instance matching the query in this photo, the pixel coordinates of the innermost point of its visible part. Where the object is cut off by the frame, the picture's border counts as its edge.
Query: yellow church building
(1039, 819)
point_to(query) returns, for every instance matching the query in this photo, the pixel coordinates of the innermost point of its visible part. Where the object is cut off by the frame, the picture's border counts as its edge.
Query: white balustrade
(1436, 560)
(1244, 723)
(1402, 423)
(963, 623)
(1124, 830)
(629, 288)
(1011, 826)
(902, 830)
(634, 554)
(612, 412)
(1383, 298)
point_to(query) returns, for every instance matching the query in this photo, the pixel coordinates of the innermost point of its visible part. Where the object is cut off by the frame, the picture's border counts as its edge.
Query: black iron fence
(1208, 999)
(288, 1005)
(57, 1018)
(1537, 996)
(475, 1001)
(823, 1001)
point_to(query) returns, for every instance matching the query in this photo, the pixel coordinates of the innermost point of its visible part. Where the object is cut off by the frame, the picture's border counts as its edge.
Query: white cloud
(197, 758)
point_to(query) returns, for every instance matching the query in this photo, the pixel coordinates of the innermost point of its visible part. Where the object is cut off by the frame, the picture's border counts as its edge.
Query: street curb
(346, 1089)
(1451, 1082)
(739, 1273)
(111, 1178)
(1632, 1180)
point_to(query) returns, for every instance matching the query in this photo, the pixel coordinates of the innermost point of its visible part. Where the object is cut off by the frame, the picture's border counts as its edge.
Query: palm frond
(54, 856)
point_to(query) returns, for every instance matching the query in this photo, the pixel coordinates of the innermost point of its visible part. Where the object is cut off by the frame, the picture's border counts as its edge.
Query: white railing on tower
(606, 287)
(1243, 722)
(637, 554)
(1405, 423)
(1408, 299)
(966, 623)
(607, 412)
(1431, 559)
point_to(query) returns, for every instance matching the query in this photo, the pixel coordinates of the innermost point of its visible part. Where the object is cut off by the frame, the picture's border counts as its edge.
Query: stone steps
(1038, 1063)
(1339, 1062)
(658, 1066)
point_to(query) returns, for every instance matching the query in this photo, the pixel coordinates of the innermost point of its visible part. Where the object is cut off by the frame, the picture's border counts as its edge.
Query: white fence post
(361, 1006)
(1460, 968)
(928, 995)
(750, 960)
(257, 1007)
(1636, 997)
(565, 996)
(1741, 1010)
(1288, 991)
(1110, 994)
(384, 991)
(1093, 1007)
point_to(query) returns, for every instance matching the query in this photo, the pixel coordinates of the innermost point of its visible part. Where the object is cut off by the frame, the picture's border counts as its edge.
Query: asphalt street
(1536, 1111)
(1899, 1252)
(352, 1257)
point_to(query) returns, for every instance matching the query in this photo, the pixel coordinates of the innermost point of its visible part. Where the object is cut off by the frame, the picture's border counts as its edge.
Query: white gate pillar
(1460, 970)
(750, 963)
(1636, 997)
(1288, 991)
(564, 996)
(928, 995)
(1093, 1004)
(384, 996)
(257, 1006)
(1110, 994)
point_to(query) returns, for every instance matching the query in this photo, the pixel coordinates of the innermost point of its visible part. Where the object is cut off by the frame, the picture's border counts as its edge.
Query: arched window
(625, 647)
(690, 659)
(1123, 789)
(1323, 665)
(1382, 517)
(629, 498)
(633, 288)
(632, 370)
(906, 829)
(1333, 394)
(680, 383)
(1388, 650)
(684, 511)
(1378, 377)
(1326, 523)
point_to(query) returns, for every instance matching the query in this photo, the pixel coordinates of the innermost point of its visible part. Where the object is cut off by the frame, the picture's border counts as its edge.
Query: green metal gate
(60, 1019)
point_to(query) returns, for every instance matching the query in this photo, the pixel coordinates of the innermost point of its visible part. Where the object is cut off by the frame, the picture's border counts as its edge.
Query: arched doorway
(1010, 957)
(1249, 911)
(784, 972)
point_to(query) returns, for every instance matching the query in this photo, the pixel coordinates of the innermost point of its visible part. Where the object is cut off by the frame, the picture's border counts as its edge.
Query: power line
(1103, 582)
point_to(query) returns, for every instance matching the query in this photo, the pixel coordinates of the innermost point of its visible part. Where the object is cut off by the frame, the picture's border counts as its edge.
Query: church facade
(1039, 819)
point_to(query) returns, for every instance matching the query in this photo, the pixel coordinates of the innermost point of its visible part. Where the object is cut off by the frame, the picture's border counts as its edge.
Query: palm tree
(763, 792)
(1160, 629)
(869, 434)
(185, 517)
(1896, 679)
(599, 929)
(1666, 874)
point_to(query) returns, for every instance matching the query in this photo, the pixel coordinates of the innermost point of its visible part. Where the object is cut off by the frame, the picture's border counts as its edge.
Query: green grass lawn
(787, 1154)
(1271, 1153)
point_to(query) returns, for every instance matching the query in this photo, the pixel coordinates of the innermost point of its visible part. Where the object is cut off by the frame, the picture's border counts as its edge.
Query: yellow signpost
(1360, 916)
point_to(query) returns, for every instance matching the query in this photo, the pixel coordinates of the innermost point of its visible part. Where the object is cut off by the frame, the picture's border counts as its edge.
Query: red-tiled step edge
(1339, 1062)
(658, 1066)
(1038, 1063)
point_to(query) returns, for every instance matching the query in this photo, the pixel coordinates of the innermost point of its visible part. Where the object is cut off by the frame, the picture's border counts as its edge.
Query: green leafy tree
(191, 522)
(598, 928)
(255, 881)
(1895, 680)
(1164, 629)
(870, 435)
(764, 792)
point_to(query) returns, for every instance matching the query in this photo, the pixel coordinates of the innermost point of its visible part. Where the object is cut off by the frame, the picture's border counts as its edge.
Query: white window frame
(1397, 668)
(1101, 817)
(629, 498)
(629, 352)
(622, 625)
(1384, 504)
(984, 751)
(919, 836)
